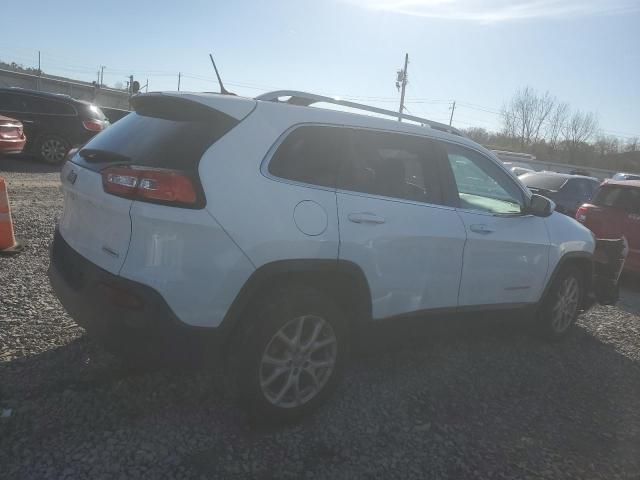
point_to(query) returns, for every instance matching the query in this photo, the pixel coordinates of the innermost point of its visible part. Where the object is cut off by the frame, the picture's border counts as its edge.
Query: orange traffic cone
(8, 242)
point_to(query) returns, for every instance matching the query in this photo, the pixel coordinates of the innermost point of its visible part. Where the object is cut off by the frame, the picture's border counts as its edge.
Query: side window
(572, 188)
(481, 184)
(310, 155)
(391, 165)
(11, 102)
(55, 108)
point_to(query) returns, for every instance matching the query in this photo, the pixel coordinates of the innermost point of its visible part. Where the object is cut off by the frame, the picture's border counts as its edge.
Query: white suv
(270, 231)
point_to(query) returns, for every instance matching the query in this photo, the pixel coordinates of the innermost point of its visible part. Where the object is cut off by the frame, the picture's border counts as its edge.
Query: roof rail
(307, 99)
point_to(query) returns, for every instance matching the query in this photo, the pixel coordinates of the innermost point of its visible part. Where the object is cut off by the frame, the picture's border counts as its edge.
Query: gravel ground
(471, 400)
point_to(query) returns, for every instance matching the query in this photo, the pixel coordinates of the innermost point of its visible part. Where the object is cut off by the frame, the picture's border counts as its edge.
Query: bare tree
(478, 134)
(578, 130)
(632, 145)
(606, 145)
(526, 113)
(556, 123)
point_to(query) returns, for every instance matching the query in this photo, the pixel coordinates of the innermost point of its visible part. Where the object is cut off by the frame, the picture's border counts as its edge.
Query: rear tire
(52, 149)
(561, 306)
(290, 354)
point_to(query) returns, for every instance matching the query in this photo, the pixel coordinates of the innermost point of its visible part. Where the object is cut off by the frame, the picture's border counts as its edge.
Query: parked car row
(52, 123)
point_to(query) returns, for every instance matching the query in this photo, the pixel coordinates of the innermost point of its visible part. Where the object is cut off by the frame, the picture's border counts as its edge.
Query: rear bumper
(124, 316)
(608, 262)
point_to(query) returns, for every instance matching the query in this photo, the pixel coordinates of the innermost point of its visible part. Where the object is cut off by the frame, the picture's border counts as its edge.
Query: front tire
(52, 149)
(562, 304)
(292, 355)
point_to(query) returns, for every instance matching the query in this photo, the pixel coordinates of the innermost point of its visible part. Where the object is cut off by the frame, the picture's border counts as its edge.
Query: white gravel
(481, 399)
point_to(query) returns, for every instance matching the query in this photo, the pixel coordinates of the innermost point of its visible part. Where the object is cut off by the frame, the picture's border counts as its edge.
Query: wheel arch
(583, 261)
(341, 280)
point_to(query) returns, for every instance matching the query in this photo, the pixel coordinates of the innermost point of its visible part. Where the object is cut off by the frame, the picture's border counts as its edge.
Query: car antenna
(223, 91)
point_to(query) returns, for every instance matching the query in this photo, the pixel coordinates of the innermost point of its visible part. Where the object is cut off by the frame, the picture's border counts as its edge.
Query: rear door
(164, 132)
(506, 253)
(395, 226)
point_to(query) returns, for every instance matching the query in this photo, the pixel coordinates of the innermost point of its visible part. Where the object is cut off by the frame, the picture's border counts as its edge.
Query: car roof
(36, 93)
(623, 183)
(563, 175)
(238, 107)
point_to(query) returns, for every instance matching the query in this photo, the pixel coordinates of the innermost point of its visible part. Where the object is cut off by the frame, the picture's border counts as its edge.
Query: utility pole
(39, 70)
(401, 81)
(179, 75)
(146, 87)
(453, 109)
(102, 67)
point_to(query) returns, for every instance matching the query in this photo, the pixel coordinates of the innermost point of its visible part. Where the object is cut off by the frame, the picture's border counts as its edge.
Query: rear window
(625, 198)
(543, 181)
(163, 132)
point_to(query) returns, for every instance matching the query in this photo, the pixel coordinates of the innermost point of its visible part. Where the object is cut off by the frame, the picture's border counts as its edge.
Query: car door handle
(27, 121)
(365, 217)
(481, 228)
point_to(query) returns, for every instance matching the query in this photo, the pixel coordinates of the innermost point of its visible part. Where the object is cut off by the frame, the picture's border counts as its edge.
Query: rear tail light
(10, 131)
(93, 125)
(169, 187)
(581, 214)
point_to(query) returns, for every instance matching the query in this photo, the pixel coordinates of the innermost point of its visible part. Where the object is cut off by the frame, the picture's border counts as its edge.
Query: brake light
(10, 131)
(581, 214)
(169, 187)
(93, 125)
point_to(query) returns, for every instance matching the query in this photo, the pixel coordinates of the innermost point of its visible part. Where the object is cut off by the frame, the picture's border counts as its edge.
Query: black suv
(566, 190)
(53, 123)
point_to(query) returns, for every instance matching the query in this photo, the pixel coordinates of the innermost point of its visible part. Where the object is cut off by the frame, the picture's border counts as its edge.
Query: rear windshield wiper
(97, 155)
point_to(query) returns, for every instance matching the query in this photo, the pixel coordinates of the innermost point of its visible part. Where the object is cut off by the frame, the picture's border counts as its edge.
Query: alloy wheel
(53, 150)
(564, 311)
(298, 361)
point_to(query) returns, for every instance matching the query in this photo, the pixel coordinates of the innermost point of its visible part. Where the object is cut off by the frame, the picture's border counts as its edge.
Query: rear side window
(11, 102)
(310, 154)
(625, 198)
(391, 165)
(53, 107)
(163, 132)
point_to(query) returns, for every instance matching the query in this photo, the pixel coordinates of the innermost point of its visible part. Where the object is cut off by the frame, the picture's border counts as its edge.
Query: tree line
(540, 124)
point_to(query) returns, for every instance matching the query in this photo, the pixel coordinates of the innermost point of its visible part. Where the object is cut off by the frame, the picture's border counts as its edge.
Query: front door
(394, 226)
(506, 254)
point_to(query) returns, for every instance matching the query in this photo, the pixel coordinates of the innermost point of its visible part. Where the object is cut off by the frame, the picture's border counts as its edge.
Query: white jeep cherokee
(270, 231)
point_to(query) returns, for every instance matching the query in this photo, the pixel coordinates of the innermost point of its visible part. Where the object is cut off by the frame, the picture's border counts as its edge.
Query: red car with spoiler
(614, 212)
(12, 137)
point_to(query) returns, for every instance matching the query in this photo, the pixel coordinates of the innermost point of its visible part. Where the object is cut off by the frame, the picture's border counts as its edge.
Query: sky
(478, 53)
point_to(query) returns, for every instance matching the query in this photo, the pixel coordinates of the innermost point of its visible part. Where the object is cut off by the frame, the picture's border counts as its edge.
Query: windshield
(543, 181)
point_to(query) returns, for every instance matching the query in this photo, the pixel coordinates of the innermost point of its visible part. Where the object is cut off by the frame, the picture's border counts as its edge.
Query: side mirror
(541, 206)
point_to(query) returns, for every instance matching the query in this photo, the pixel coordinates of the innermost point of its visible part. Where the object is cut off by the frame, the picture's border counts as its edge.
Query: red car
(614, 212)
(12, 137)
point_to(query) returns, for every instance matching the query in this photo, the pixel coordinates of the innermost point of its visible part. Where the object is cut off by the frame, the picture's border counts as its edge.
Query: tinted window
(12, 102)
(624, 198)
(544, 181)
(573, 188)
(310, 155)
(165, 133)
(391, 165)
(481, 184)
(47, 106)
